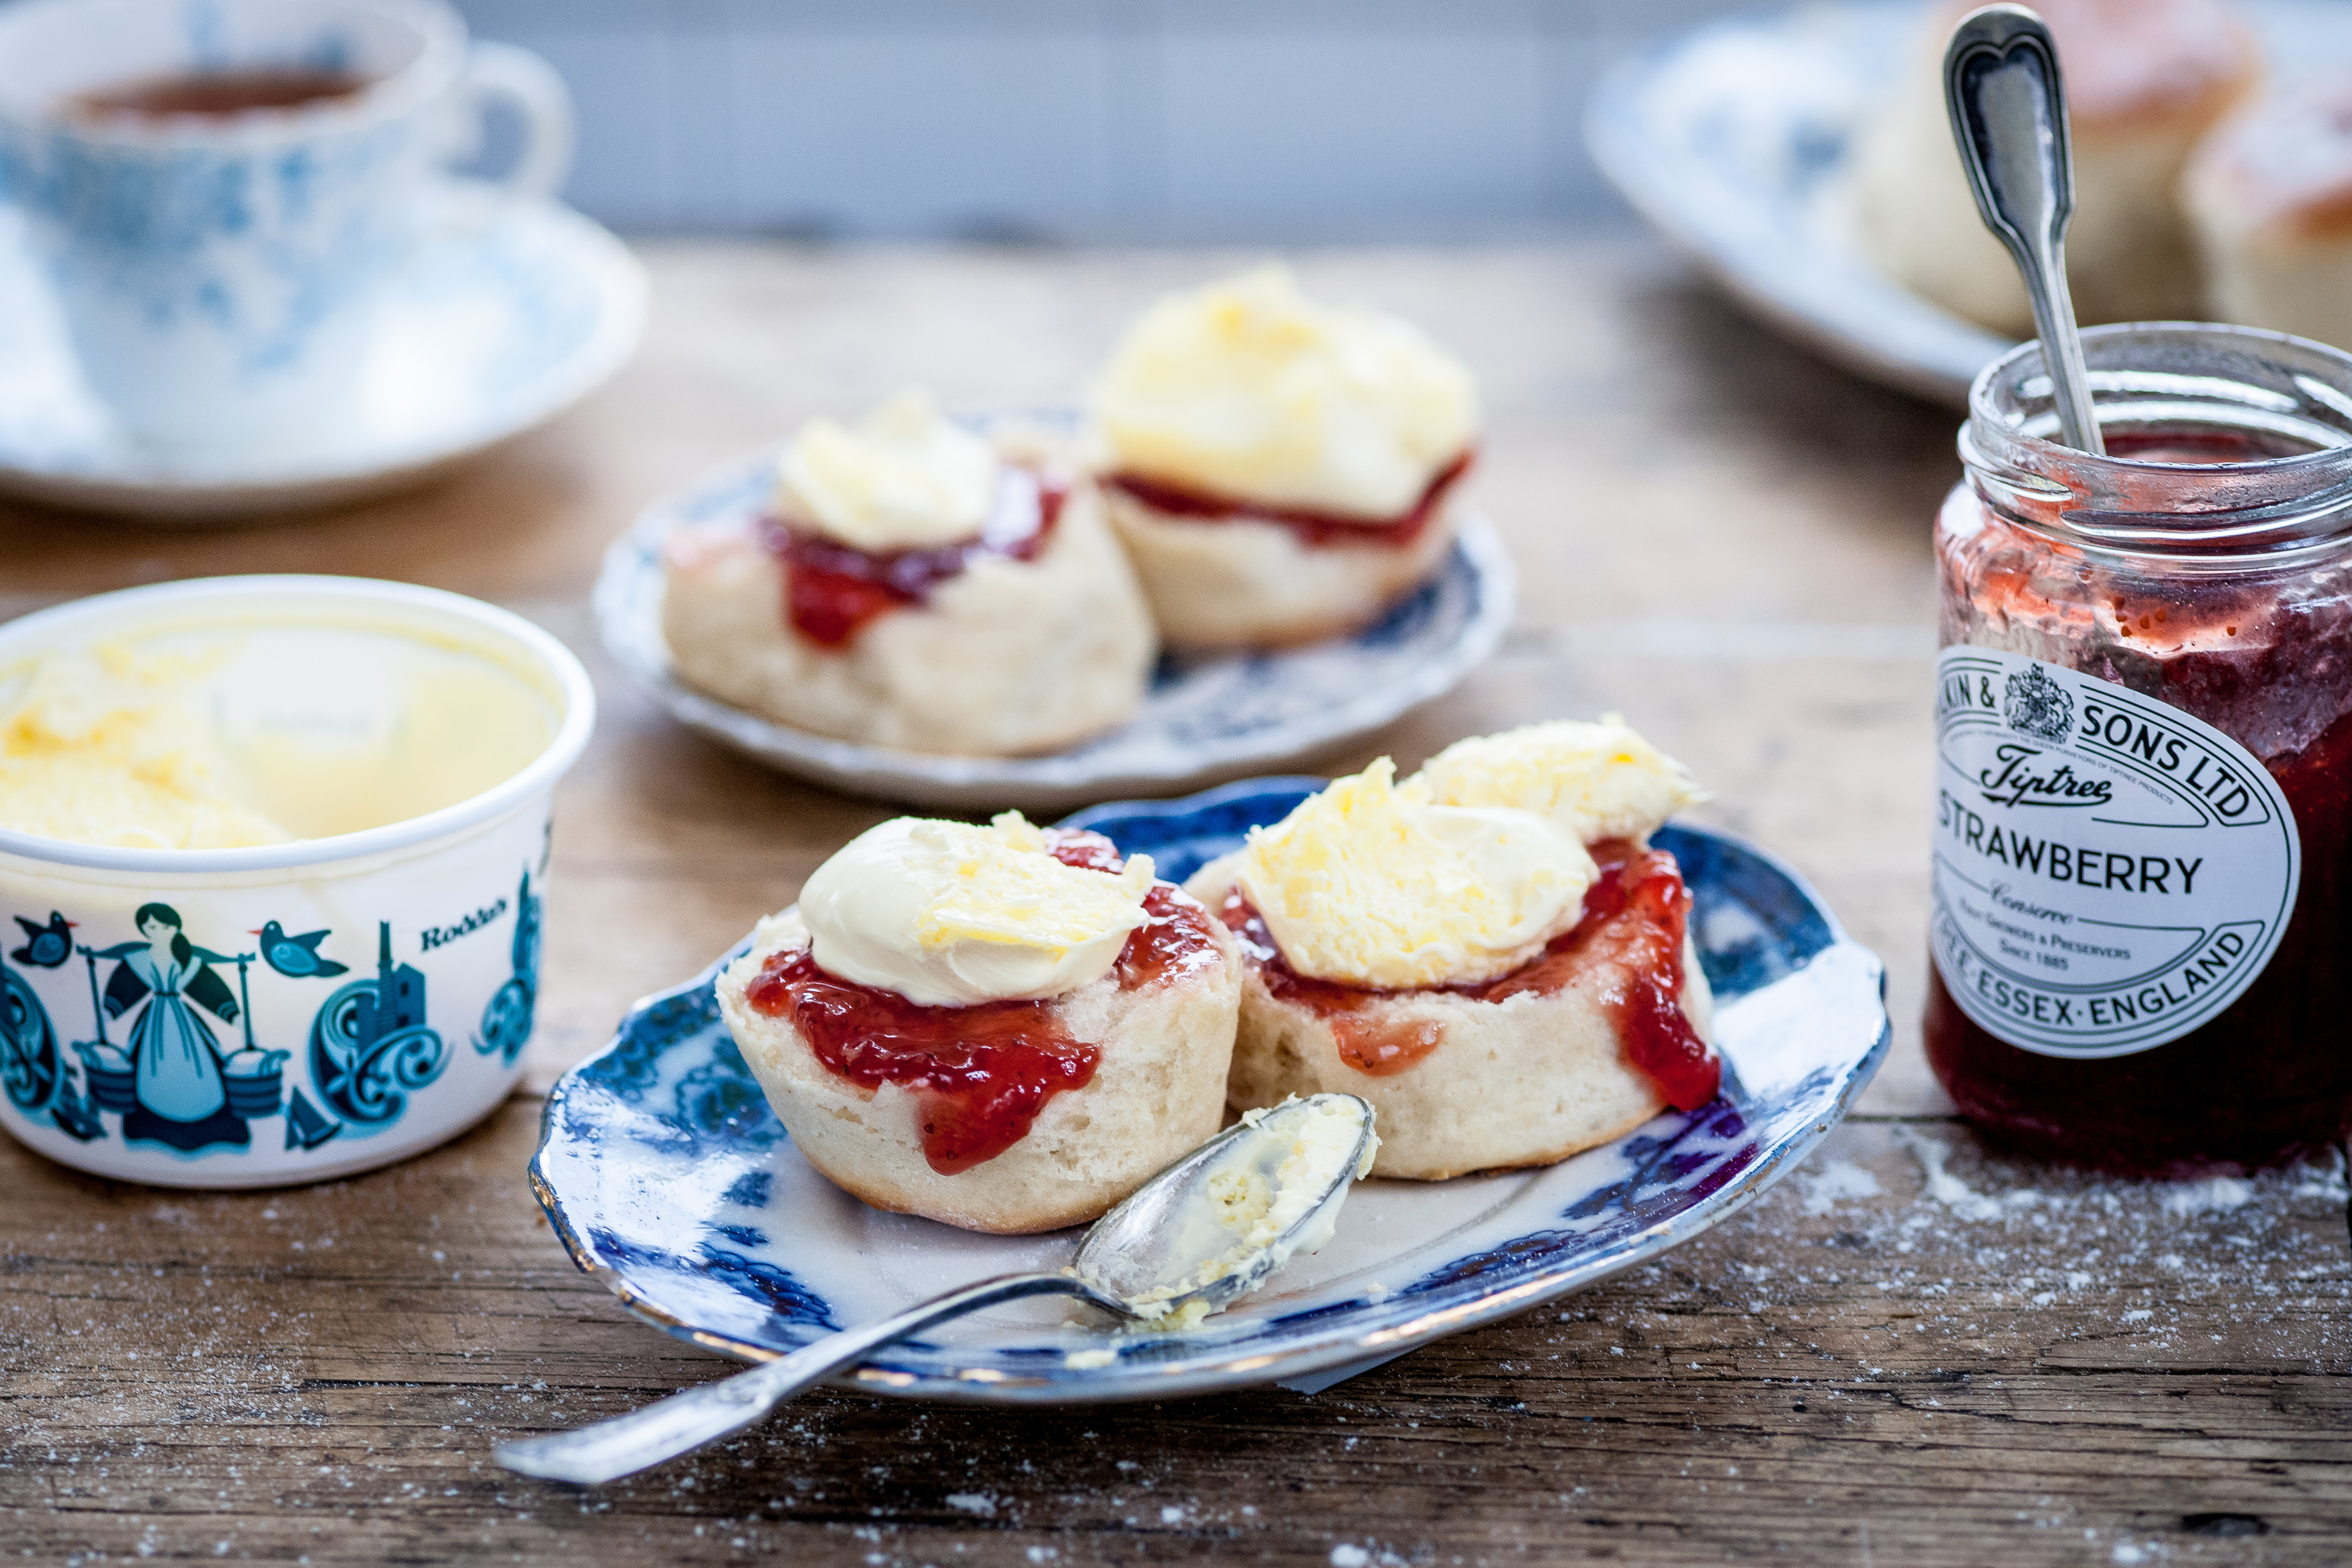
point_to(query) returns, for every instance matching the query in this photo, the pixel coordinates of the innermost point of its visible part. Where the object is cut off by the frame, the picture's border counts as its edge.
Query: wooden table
(1914, 1351)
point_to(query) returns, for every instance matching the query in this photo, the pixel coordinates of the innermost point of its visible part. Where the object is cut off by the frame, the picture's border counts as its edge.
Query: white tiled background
(1173, 120)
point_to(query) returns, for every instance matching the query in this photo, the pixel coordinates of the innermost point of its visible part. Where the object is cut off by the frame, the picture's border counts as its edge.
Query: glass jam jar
(2144, 731)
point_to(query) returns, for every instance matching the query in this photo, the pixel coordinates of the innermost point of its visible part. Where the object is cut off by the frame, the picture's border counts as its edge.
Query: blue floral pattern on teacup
(259, 245)
(219, 274)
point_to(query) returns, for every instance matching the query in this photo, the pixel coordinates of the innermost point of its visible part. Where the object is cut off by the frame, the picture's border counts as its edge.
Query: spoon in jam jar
(2008, 103)
(1191, 1241)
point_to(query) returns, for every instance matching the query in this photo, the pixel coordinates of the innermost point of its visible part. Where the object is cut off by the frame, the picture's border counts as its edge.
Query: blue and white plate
(1735, 142)
(515, 311)
(669, 1179)
(1205, 718)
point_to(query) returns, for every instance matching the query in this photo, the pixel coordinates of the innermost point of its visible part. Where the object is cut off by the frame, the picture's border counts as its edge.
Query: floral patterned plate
(1738, 142)
(1205, 718)
(668, 1178)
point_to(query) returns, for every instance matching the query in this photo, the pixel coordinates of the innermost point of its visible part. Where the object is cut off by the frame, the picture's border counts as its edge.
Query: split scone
(1489, 952)
(2271, 194)
(919, 586)
(2145, 80)
(1004, 1028)
(1280, 470)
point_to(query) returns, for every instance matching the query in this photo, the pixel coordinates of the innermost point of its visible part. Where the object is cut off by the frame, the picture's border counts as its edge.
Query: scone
(2144, 78)
(918, 588)
(1489, 952)
(2271, 194)
(1280, 470)
(1006, 1029)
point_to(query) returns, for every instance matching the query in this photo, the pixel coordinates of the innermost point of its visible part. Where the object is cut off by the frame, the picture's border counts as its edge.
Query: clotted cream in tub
(272, 857)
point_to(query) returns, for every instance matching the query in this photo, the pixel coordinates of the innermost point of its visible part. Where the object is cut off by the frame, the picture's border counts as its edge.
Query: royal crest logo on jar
(2143, 846)
(2101, 887)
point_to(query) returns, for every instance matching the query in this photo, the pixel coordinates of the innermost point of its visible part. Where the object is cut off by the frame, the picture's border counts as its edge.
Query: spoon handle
(2008, 103)
(670, 1426)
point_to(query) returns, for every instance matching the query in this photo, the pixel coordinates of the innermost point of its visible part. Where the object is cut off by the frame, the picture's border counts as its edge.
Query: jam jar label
(2109, 872)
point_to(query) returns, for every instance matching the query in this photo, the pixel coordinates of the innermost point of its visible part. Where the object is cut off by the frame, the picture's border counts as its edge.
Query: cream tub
(272, 852)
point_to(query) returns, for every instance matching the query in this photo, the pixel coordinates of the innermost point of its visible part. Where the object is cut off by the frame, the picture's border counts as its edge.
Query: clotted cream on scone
(1280, 469)
(1488, 952)
(1002, 1027)
(918, 586)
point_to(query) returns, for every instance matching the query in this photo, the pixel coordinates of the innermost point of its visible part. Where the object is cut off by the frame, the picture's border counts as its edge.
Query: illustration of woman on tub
(183, 1101)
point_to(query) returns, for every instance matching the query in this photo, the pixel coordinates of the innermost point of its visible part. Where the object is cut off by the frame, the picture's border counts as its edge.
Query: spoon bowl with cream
(1190, 1242)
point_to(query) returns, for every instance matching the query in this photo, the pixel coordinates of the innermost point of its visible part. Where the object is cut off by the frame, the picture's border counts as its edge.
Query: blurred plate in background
(1205, 718)
(1735, 140)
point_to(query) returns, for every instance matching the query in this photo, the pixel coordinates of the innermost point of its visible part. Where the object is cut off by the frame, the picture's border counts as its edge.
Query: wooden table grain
(1915, 1351)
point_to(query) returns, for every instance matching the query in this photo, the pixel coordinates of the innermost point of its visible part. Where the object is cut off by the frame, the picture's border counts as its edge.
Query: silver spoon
(1159, 1253)
(2008, 103)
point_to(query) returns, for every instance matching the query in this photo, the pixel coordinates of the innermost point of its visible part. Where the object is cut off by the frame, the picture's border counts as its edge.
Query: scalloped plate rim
(1398, 1328)
(621, 597)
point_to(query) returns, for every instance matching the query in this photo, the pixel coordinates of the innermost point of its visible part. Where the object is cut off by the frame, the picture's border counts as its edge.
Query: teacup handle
(496, 70)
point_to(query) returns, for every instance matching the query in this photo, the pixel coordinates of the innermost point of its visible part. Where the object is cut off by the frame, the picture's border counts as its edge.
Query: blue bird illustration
(296, 957)
(46, 946)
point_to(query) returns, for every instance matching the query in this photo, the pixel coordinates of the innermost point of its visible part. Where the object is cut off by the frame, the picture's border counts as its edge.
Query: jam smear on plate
(984, 1072)
(1316, 530)
(1633, 924)
(832, 591)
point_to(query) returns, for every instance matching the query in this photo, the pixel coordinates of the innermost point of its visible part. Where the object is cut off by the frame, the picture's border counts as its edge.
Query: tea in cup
(220, 190)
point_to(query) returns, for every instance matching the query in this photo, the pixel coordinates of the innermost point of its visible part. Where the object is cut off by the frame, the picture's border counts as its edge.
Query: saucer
(1737, 141)
(670, 1180)
(1205, 717)
(516, 311)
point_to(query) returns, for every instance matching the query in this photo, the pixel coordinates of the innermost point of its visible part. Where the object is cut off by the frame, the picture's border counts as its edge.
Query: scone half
(1249, 582)
(1527, 1080)
(1006, 658)
(1158, 1090)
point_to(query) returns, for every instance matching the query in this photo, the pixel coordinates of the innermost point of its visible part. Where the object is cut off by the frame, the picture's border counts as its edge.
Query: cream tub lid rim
(579, 720)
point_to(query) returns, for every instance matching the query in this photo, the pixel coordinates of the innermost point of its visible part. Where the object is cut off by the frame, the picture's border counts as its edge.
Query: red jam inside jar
(834, 591)
(2220, 584)
(981, 1073)
(1315, 530)
(1631, 926)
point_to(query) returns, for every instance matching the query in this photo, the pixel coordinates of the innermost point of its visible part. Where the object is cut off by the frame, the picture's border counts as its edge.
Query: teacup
(285, 1012)
(219, 263)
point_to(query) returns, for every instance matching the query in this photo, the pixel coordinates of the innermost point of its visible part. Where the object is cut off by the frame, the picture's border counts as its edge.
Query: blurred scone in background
(2145, 81)
(2269, 192)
